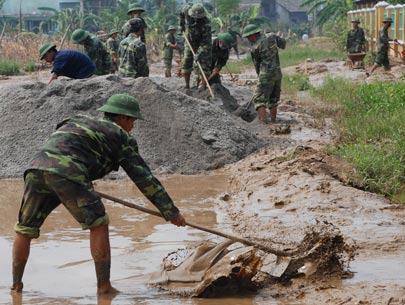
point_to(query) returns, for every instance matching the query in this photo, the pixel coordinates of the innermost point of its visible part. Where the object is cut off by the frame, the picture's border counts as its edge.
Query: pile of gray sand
(181, 134)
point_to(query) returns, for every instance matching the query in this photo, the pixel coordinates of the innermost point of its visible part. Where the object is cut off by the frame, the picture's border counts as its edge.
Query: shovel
(283, 257)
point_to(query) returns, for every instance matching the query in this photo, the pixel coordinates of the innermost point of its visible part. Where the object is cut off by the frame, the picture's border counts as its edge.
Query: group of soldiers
(199, 50)
(356, 43)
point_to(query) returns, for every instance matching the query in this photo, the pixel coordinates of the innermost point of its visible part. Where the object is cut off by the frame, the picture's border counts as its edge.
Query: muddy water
(60, 270)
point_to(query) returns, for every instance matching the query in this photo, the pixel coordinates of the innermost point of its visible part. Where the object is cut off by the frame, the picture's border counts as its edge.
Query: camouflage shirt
(265, 54)
(219, 56)
(84, 149)
(383, 41)
(112, 46)
(355, 40)
(98, 53)
(170, 39)
(132, 55)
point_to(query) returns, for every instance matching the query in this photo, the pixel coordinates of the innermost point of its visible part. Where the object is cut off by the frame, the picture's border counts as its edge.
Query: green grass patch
(372, 131)
(291, 84)
(30, 66)
(297, 53)
(9, 68)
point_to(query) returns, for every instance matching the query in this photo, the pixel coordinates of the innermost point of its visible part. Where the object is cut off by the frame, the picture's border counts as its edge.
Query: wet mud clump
(209, 270)
(181, 134)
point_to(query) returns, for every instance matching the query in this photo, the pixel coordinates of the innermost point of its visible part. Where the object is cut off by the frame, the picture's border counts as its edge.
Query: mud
(181, 134)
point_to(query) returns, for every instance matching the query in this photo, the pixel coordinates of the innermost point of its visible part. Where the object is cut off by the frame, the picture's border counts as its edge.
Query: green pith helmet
(226, 38)
(171, 28)
(251, 29)
(124, 104)
(79, 35)
(135, 7)
(388, 20)
(113, 32)
(44, 49)
(197, 11)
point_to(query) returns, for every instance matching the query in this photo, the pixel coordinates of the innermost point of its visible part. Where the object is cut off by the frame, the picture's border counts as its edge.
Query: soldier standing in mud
(112, 46)
(132, 52)
(180, 48)
(84, 149)
(220, 55)
(169, 46)
(94, 49)
(135, 10)
(197, 28)
(382, 58)
(264, 51)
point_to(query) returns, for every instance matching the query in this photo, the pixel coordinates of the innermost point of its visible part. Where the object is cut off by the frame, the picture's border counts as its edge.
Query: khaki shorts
(44, 191)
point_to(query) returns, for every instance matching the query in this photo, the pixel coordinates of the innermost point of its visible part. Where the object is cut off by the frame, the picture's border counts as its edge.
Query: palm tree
(327, 10)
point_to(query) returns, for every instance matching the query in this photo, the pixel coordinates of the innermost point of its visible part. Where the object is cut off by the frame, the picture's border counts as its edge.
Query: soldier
(84, 149)
(70, 63)
(220, 55)
(234, 35)
(198, 32)
(180, 48)
(168, 48)
(264, 51)
(135, 10)
(94, 49)
(132, 52)
(356, 40)
(383, 47)
(112, 46)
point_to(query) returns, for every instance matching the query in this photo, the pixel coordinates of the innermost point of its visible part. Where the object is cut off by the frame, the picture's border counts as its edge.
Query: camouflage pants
(44, 191)
(168, 62)
(382, 59)
(267, 91)
(188, 60)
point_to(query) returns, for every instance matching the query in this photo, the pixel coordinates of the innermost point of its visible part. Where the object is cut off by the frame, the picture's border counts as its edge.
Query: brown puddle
(60, 269)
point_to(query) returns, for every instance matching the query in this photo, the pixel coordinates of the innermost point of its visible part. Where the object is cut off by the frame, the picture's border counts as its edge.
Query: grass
(291, 84)
(9, 68)
(371, 123)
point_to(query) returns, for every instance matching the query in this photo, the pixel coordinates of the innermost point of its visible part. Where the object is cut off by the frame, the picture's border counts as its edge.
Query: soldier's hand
(179, 220)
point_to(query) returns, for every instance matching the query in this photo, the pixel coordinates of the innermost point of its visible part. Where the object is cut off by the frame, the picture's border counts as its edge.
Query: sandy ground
(274, 194)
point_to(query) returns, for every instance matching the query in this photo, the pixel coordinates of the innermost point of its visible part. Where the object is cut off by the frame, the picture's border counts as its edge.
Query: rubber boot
(168, 73)
(187, 76)
(273, 114)
(262, 114)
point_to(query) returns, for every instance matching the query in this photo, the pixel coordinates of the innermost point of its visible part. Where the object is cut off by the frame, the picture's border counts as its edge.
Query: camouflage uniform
(112, 46)
(219, 59)
(198, 33)
(98, 53)
(132, 57)
(180, 44)
(356, 41)
(382, 58)
(267, 64)
(126, 29)
(84, 149)
(170, 39)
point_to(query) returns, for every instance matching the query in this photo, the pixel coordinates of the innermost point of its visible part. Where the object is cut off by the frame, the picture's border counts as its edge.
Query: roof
(293, 5)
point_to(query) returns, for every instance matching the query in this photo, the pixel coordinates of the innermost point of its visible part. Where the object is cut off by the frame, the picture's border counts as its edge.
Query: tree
(327, 10)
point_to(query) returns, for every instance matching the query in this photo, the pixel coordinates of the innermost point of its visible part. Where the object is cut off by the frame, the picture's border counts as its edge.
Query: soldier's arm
(281, 42)
(148, 184)
(221, 62)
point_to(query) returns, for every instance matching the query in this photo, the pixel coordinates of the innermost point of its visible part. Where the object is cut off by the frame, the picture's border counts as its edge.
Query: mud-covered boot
(273, 114)
(168, 73)
(187, 76)
(262, 114)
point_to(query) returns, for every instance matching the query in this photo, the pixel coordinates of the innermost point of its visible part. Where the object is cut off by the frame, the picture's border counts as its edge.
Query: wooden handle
(198, 227)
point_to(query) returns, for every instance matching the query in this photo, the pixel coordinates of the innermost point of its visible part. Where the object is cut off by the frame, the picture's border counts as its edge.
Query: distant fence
(372, 18)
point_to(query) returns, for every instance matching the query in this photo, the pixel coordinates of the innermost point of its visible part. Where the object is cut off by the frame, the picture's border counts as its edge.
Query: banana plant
(327, 10)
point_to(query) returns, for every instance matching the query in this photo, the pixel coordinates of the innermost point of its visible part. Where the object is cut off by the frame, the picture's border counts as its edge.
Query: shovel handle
(198, 227)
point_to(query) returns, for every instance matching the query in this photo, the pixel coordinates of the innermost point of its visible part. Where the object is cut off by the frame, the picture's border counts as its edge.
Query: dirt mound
(180, 134)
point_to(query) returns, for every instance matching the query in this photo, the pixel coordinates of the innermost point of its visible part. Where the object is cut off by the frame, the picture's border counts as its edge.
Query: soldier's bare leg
(262, 114)
(21, 251)
(187, 76)
(273, 114)
(101, 253)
